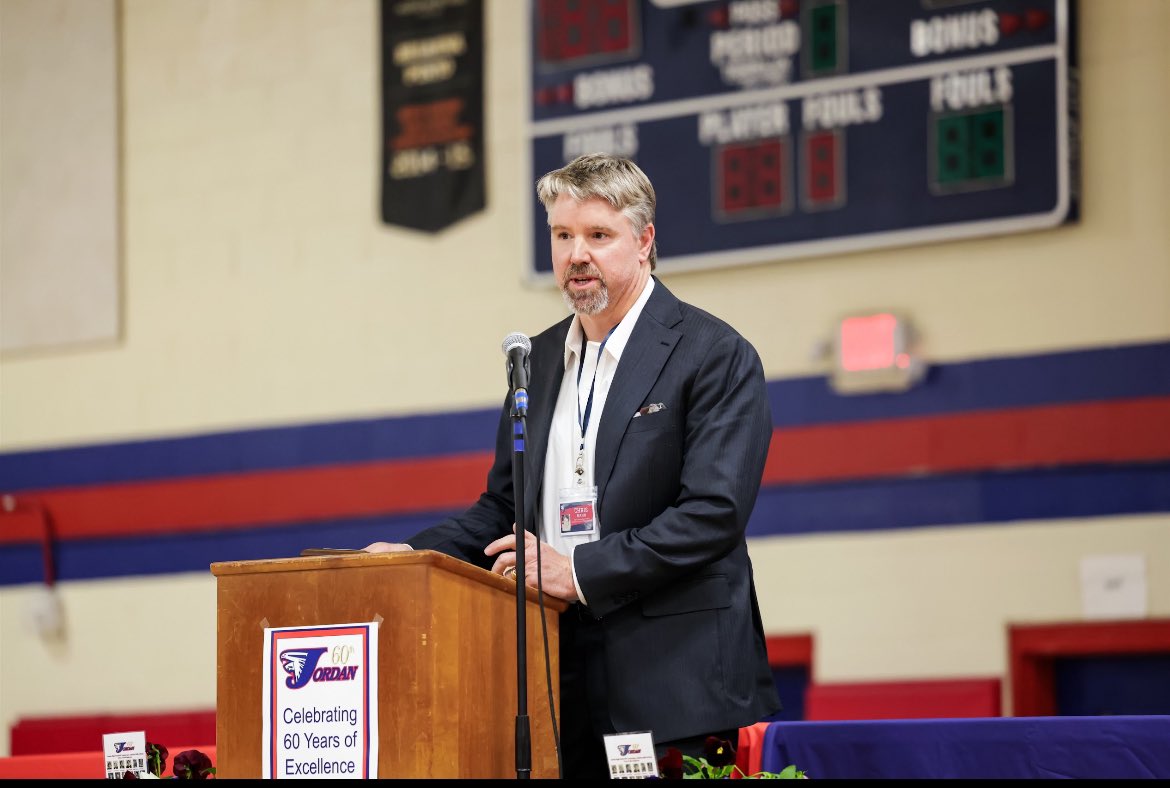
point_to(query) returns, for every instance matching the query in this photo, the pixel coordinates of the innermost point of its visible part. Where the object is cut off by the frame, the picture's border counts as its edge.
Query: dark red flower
(192, 765)
(670, 765)
(130, 776)
(156, 758)
(718, 752)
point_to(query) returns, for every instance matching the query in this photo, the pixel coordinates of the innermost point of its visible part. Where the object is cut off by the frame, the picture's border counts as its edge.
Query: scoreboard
(782, 129)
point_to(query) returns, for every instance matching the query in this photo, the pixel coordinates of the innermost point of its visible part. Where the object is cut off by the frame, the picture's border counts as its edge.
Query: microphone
(516, 347)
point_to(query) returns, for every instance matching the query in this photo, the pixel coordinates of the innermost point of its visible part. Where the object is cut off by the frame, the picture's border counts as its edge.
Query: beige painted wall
(936, 602)
(260, 289)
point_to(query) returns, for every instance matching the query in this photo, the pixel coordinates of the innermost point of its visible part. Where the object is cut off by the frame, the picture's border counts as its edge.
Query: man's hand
(556, 570)
(387, 547)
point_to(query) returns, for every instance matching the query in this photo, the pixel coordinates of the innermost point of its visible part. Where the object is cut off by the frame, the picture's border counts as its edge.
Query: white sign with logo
(631, 755)
(321, 702)
(125, 752)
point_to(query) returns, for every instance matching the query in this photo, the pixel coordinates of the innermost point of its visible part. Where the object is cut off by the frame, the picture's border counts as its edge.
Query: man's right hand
(387, 547)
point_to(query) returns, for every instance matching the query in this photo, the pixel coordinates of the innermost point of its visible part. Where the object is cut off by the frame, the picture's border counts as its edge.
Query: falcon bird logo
(299, 664)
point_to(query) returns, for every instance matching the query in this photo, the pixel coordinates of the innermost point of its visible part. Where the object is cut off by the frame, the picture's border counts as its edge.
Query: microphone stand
(523, 732)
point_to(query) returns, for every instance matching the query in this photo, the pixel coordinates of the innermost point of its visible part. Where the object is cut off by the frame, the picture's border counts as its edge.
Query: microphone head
(516, 340)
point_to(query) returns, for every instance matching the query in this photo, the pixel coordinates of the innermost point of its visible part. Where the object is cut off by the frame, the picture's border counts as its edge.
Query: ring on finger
(510, 572)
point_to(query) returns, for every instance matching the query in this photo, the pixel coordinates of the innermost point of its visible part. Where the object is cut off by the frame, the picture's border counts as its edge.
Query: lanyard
(583, 420)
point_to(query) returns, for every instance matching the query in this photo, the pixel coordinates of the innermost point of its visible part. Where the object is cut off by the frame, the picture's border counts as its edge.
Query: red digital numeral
(751, 177)
(574, 29)
(822, 168)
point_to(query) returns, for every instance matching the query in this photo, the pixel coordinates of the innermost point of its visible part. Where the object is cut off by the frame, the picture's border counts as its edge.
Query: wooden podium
(446, 658)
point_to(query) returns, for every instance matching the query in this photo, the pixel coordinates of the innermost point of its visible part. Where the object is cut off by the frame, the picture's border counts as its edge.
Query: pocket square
(646, 411)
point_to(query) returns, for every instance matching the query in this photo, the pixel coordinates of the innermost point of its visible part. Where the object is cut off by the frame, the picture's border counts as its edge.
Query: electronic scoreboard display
(782, 129)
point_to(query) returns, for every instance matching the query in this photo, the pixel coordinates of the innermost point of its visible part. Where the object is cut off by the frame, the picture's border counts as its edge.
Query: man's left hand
(556, 569)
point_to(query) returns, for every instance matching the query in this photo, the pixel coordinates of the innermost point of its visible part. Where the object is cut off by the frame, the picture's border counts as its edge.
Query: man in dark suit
(648, 429)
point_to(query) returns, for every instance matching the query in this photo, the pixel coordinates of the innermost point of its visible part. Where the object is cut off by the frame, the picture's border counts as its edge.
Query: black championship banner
(432, 112)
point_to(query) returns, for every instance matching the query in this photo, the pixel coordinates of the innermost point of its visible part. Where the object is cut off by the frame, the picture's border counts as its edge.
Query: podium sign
(320, 696)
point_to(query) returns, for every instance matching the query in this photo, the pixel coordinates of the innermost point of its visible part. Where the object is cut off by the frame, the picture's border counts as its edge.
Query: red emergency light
(875, 352)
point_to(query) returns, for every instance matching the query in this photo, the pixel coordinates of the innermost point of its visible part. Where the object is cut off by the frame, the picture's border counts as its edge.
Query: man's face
(597, 260)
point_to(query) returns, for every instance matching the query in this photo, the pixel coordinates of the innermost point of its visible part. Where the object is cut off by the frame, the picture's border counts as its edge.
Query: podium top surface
(343, 561)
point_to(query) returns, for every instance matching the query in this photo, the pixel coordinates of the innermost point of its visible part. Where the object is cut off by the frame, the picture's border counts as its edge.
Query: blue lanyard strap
(583, 421)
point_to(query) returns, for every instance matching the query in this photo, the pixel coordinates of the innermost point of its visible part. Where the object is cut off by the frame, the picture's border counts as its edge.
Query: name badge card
(631, 755)
(320, 702)
(578, 511)
(125, 752)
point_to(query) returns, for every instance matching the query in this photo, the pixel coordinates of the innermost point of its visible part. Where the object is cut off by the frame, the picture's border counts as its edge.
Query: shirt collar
(620, 336)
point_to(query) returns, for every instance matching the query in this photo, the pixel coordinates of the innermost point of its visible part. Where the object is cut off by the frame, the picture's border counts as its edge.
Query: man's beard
(590, 302)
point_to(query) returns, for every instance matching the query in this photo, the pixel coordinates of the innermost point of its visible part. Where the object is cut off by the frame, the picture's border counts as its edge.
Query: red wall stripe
(1116, 431)
(249, 499)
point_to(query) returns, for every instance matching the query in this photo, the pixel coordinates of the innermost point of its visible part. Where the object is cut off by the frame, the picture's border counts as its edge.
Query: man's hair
(615, 179)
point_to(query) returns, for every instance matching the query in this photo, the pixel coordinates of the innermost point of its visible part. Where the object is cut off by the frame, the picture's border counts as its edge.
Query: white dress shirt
(565, 434)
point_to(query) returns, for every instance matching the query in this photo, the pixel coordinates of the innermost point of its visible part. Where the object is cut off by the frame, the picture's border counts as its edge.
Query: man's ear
(646, 243)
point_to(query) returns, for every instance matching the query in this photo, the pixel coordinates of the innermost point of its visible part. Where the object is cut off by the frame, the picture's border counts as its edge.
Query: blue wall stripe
(960, 499)
(276, 448)
(84, 559)
(1024, 381)
(1077, 376)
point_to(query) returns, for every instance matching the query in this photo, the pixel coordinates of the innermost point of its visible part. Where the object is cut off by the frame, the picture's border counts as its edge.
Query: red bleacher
(42, 735)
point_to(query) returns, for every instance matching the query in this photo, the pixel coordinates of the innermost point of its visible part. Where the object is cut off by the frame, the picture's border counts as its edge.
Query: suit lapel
(651, 343)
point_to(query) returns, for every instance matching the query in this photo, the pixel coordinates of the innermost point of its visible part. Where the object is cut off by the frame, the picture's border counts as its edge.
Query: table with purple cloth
(991, 747)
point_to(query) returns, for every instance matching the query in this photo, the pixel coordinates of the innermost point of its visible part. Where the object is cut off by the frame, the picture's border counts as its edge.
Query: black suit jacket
(670, 577)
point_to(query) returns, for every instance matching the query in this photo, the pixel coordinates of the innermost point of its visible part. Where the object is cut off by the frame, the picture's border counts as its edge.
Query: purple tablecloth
(1000, 747)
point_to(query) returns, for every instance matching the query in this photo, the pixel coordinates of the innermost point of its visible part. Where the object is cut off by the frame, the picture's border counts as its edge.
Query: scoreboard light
(752, 179)
(576, 33)
(972, 149)
(824, 33)
(875, 352)
(824, 169)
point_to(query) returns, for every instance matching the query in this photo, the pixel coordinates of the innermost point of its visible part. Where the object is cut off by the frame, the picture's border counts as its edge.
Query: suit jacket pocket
(706, 592)
(651, 421)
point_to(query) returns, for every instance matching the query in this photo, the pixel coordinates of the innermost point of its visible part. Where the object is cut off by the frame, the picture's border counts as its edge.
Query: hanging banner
(320, 696)
(432, 112)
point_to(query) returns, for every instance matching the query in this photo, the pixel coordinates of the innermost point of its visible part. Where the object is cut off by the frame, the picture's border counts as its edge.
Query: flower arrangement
(716, 763)
(189, 764)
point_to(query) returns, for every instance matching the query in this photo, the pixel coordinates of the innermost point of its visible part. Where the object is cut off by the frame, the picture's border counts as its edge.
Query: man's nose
(579, 253)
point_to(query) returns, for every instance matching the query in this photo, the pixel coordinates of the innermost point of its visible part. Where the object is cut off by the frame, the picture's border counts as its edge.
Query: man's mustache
(582, 269)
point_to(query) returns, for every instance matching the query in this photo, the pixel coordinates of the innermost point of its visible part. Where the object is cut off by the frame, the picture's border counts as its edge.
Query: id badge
(578, 507)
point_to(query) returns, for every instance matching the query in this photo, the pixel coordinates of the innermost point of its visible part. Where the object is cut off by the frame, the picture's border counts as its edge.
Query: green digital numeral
(971, 149)
(953, 158)
(986, 132)
(823, 23)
